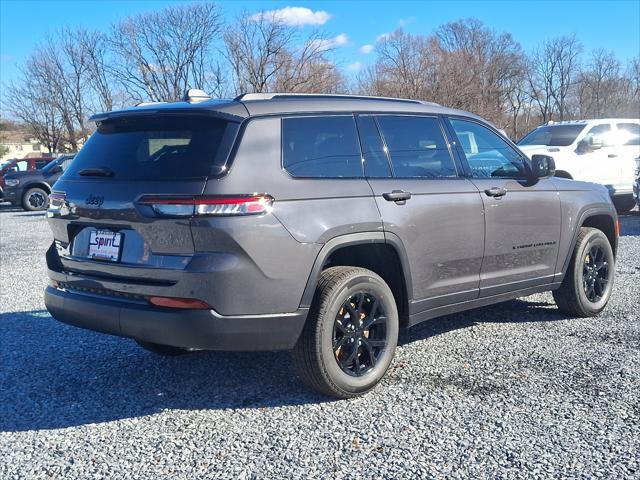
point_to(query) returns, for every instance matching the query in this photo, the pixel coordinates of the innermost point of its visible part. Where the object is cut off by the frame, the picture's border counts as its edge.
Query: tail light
(617, 227)
(208, 205)
(56, 199)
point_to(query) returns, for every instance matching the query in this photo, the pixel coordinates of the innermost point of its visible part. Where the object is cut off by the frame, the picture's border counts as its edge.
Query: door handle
(398, 196)
(496, 192)
(612, 155)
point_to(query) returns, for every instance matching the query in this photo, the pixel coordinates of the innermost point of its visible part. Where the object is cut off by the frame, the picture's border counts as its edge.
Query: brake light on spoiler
(208, 205)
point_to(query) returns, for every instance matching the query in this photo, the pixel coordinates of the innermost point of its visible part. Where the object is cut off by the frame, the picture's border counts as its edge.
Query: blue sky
(613, 25)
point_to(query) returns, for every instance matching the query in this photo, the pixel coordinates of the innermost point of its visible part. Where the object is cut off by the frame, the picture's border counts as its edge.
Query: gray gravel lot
(511, 391)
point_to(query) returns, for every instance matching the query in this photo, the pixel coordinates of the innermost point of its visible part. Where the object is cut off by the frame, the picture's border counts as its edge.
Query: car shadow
(56, 376)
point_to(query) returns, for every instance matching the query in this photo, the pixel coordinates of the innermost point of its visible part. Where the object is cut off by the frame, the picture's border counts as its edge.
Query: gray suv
(313, 223)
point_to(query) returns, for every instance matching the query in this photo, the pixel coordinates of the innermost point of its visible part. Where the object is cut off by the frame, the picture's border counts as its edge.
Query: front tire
(35, 199)
(350, 336)
(587, 285)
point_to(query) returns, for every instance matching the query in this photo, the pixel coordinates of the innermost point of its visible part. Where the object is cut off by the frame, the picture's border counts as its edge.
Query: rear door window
(416, 146)
(161, 148)
(321, 147)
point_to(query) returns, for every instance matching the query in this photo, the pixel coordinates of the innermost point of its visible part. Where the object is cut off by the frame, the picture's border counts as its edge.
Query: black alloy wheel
(359, 334)
(595, 273)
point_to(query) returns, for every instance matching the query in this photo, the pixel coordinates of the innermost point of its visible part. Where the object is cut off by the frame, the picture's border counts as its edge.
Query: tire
(574, 297)
(35, 199)
(163, 350)
(343, 304)
(624, 204)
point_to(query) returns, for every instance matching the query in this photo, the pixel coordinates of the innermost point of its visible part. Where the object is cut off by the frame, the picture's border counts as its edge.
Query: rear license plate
(105, 245)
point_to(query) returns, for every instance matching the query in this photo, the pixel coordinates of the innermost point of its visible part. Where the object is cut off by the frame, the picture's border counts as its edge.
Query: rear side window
(629, 133)
(416, 146)
(321, 147)
(160, 148)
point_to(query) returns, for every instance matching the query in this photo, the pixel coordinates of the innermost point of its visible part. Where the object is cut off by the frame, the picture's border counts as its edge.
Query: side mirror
(543, 166)
(595, 142)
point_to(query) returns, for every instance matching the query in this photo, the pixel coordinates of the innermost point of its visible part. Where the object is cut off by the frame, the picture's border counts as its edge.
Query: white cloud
(354, 67)
(337, 41)
(366, 49)
(403, 22)
(383, 36)
(296, 16)
(341, 39)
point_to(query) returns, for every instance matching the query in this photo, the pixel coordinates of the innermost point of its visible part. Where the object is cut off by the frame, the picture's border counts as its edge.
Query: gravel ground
(510, 391)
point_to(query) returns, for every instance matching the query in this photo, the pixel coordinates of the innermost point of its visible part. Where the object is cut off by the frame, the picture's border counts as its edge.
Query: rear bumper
(199, 329)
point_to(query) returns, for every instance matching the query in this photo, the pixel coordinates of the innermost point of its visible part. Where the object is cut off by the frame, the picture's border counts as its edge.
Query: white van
(601, 151)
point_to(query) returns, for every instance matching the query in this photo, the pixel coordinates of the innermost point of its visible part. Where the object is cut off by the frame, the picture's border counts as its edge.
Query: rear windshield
(159, 148)
(552, 136)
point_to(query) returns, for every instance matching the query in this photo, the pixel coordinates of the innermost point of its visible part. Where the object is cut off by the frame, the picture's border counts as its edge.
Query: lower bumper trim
(198, 329)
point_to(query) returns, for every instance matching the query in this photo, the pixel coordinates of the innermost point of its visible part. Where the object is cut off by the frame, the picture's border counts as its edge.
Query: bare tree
(553, 71)
(94, 48)
(405, 67)
(566, 51)
(29, 103)
(267, 55)
(159, 55)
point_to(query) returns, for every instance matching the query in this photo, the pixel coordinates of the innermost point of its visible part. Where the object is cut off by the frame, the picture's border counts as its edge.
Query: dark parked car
(31, 189)
(315, 223)
(21, 165)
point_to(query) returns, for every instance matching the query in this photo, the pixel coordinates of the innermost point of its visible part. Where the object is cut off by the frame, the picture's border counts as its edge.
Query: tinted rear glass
(159, 148)
(552, 136)
(416, 146)
(321, 147)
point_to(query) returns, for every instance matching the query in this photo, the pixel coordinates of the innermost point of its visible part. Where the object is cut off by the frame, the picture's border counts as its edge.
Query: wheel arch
(600, 218)
(43, 185)
(384, 255)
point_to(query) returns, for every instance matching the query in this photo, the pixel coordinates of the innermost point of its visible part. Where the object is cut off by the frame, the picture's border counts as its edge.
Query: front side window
(416, 146)
(600, 134)
(321, 147)
(629, 133)
(22, 166)
(488, 155)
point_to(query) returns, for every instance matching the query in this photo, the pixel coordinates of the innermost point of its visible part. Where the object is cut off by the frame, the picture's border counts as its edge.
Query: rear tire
(163, 350)
(350, 335)
(587, 285)
(35, 199)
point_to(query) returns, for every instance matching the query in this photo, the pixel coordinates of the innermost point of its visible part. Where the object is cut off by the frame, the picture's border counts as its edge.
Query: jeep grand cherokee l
(313, 223)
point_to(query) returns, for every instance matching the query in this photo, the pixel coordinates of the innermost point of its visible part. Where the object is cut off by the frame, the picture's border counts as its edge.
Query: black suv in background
(31, 189)
(315, 223)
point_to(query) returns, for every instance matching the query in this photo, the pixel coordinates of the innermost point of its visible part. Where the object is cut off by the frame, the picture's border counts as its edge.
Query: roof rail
(270, 96)
(144, 104)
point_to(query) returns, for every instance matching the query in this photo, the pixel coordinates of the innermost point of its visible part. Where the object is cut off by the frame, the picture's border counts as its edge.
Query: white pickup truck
(601, 151)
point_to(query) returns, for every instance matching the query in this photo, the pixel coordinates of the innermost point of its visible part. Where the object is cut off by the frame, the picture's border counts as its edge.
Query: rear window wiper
(96, 172)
